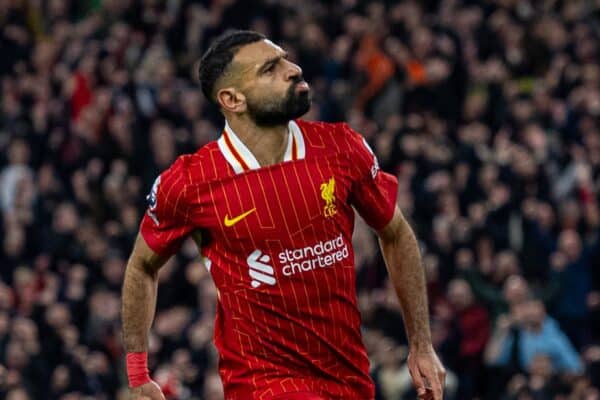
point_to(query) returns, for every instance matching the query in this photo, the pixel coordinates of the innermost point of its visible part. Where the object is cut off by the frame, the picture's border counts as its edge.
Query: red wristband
(137, 369)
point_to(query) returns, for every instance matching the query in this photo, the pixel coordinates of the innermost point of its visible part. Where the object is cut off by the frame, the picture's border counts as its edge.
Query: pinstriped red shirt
(279, 251)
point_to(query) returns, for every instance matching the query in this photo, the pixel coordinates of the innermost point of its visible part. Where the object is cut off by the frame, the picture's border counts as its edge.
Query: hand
(147, 391)
(504, 322)
(427, 372)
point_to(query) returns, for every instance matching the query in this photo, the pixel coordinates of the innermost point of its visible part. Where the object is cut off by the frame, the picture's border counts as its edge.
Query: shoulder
(176, 184)
(550, 326)
(196, 167)
(312, 128)
(331, 134)
(169, 185)
(178, 171)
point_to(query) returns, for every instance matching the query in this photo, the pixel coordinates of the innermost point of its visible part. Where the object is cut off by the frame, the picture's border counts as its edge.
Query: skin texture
(250, 78)
(139, 303)
(259, 73)
(401, 253)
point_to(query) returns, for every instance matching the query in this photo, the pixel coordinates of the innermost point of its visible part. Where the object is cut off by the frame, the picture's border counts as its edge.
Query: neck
(267, 144)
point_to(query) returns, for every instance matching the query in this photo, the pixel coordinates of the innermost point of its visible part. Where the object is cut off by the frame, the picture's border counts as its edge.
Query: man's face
(460, 295)
(534, 315)
(273, 86)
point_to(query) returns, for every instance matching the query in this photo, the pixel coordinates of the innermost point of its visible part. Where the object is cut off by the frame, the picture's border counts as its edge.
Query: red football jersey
(278, 246)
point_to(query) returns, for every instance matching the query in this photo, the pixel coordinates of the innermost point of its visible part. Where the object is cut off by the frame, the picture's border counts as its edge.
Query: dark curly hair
(217, 58)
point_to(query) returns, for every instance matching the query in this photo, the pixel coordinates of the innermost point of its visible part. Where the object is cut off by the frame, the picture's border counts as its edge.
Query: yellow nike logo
(229, 222)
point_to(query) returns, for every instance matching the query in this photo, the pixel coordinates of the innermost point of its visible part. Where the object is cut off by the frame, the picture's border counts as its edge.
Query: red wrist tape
(137, 369)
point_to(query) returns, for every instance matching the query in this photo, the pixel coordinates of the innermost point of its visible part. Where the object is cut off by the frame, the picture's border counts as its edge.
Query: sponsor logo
(321, 255)
(328, 194)
(375, 166)
(229, 222)
(152, 199)
(259, 269)
(152, 196)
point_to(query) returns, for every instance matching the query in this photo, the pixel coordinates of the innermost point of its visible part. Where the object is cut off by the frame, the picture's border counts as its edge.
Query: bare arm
(139, 295)
(403, 260)
(140, 287)
(495, 344)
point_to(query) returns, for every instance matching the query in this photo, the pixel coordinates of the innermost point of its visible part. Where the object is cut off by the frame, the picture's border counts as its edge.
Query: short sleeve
(373, 191)
(166, 222)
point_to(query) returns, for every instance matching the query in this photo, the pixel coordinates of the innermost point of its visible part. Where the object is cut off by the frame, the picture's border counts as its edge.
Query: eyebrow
(271, 61)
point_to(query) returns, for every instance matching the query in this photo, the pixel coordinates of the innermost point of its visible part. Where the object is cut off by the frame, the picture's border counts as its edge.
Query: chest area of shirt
(291, 199)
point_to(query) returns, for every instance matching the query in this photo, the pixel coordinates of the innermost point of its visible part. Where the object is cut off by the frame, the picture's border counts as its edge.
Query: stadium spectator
(535, 334)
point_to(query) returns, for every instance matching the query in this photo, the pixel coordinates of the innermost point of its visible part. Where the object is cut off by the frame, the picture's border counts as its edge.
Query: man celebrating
(272, 202)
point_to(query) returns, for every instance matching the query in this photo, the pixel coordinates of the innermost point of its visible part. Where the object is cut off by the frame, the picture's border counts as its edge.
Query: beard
(279, 111)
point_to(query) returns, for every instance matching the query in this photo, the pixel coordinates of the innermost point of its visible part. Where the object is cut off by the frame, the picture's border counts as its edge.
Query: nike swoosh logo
(229, 222)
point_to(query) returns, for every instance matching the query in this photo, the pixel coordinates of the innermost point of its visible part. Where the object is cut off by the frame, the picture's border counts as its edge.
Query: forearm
(403, 261)
(139, 303)
(493, 354)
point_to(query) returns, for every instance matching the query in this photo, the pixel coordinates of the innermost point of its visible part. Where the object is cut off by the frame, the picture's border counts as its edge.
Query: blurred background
(487, 111)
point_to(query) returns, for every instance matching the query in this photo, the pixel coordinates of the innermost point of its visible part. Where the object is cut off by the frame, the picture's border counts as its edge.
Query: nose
(293, 71)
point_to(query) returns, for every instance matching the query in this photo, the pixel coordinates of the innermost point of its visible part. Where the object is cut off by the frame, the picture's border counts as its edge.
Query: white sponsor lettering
(323, 254)
(294, 261)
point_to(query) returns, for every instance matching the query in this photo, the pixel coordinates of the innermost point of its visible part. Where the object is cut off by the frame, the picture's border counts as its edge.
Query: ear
(232, 100)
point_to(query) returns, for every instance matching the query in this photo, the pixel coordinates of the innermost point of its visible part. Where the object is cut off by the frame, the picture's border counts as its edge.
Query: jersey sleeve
(373, 191)
(166, 222)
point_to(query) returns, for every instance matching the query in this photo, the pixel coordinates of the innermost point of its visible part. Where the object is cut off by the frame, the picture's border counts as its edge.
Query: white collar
(241, 158)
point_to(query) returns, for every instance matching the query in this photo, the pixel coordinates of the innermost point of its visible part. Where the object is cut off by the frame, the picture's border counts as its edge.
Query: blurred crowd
(487, 111)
